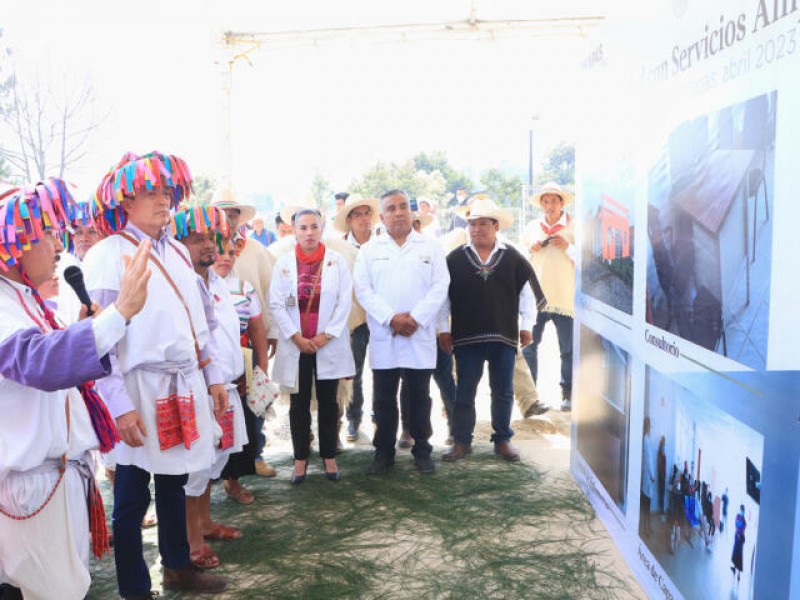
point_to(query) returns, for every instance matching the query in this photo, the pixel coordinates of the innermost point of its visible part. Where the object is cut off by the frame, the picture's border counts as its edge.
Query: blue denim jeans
(385, 383)
(563, 325)
(443, 376)
(131, 499)
(469, 370)
(359, 339)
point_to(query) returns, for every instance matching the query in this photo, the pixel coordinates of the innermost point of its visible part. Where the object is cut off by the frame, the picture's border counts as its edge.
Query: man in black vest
(492, 309)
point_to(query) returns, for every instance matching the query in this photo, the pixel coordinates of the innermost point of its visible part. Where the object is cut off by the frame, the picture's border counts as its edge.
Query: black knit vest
(484, 299)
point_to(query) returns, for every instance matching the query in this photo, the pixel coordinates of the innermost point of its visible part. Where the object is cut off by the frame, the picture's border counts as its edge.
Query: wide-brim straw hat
(424, 220)
(226, 199)
(483, 207)
(462, 210)
(288, 211)
(551, 187)
(353, 202)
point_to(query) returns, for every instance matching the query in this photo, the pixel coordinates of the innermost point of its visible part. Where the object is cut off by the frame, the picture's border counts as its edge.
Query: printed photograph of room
(709, 230)
(700, 491)
(603, 412)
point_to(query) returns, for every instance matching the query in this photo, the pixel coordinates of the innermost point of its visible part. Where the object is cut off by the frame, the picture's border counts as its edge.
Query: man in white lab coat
(401, 280)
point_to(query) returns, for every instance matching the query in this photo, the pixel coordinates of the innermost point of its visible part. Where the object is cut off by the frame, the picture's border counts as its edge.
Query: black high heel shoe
(330, 475)
(298, 479)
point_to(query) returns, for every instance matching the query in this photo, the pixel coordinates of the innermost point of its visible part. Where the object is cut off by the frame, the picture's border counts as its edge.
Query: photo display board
(686, 412)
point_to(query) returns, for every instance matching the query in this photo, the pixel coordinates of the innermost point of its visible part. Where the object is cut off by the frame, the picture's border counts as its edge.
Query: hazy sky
(158, 70)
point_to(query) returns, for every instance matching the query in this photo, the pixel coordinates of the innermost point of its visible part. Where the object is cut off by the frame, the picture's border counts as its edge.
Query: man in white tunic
(162, 376)
(203, 230)
(253, 265)
(401, 280)
(51, 417)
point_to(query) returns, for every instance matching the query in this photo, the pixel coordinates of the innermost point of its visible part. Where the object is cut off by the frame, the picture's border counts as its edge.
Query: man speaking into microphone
(74, 277)
(51, 416)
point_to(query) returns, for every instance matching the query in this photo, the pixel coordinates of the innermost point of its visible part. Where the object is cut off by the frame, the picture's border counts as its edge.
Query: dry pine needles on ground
(481, 528)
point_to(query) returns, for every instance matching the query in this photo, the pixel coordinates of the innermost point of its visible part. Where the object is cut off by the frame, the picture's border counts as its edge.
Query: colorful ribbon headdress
(132, 174)
(80, 216)
(201, 219)
(29, 213)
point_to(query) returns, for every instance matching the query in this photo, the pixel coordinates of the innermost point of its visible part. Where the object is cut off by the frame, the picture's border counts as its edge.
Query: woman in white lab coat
(310, 298)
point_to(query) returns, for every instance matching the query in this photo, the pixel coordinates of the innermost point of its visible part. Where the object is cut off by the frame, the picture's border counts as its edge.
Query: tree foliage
(321, 190)
(559, 166)
(204, 189)
(437, 161)
(429, 174)
(503, 188)
(405, 176)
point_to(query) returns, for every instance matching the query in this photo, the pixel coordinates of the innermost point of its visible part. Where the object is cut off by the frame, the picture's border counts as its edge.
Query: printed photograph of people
(709, 230)
(699, 491)
(603, 414)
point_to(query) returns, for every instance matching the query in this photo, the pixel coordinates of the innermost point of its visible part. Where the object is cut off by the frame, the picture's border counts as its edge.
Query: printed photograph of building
(607, 248)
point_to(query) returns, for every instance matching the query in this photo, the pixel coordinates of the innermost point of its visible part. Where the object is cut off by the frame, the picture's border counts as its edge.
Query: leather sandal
(241, 494)
(204, 558)
(224, 533)
(150, 520)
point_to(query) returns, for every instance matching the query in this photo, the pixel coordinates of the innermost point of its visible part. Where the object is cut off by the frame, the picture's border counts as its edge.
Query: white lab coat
(335, 359)
(391, 279)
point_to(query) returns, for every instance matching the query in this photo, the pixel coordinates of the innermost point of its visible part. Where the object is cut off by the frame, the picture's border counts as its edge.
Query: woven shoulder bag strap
(200, 361)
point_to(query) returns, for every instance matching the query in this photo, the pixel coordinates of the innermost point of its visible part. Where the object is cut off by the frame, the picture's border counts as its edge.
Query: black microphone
(74, 277)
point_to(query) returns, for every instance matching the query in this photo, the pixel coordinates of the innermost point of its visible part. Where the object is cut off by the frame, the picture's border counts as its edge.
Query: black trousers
(385, 383)
(300, 411)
